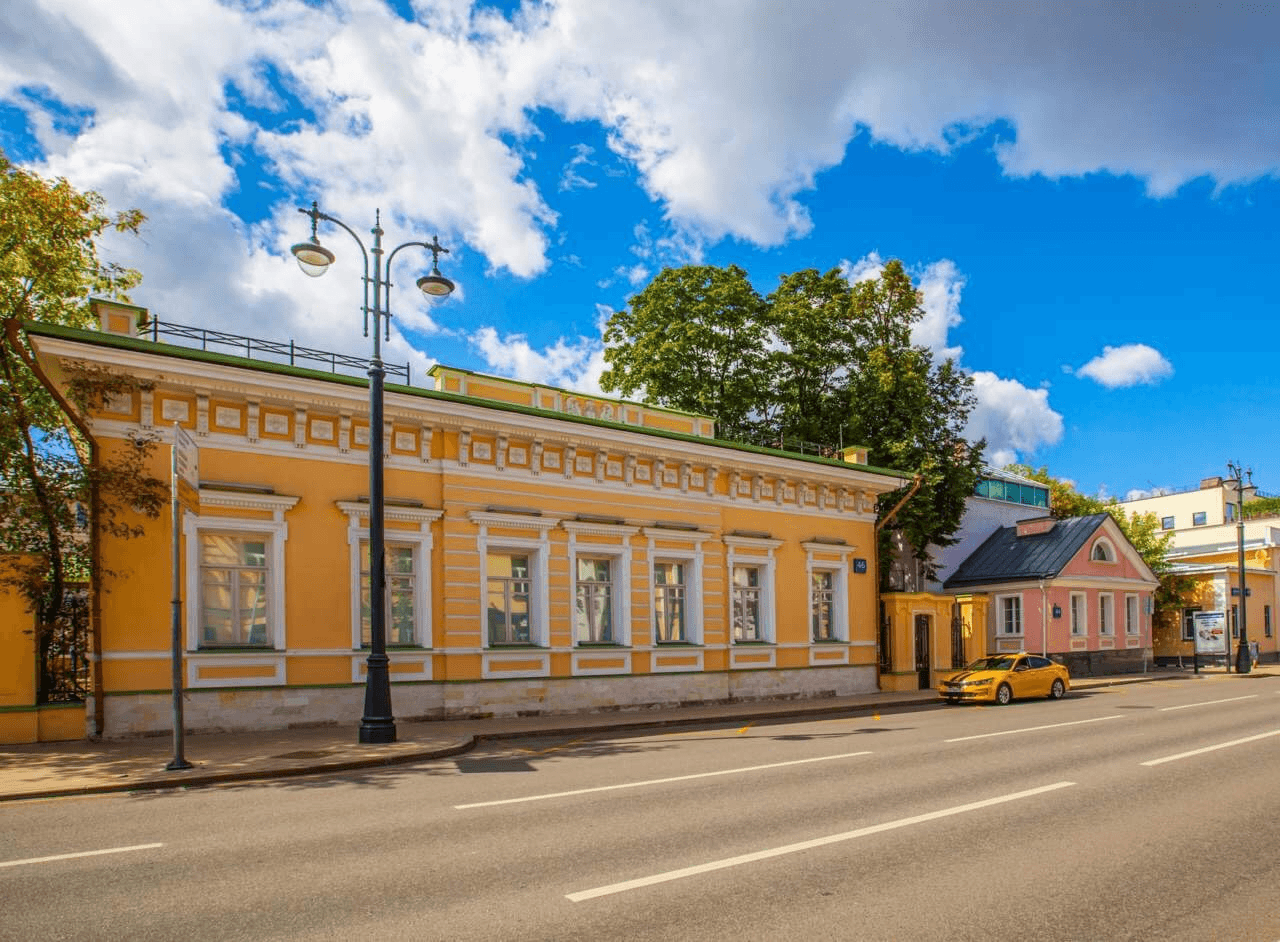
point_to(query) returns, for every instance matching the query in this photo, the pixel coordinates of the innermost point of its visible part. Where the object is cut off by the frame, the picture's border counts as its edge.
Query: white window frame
(618, 552)
(1106, 614)
(757, 552)
(1132, 615)
(1108, 550)
(692, 558)
(1078, 605)
(538, 549)
(1188, 623)
(422, 543)
(1001, 632)
(276, 532)
(840, 569)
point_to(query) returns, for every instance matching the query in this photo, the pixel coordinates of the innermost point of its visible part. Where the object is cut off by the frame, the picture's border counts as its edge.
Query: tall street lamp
(1244, 663)
(377, 725)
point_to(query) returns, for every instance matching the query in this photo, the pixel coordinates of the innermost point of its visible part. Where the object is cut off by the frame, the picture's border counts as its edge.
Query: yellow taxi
(999, 678)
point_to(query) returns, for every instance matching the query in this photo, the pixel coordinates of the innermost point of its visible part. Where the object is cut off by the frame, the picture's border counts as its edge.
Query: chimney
(1035, 526)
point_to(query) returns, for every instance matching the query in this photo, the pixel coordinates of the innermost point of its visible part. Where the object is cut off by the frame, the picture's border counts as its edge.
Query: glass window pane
(218, 550)
(400, 559)
(255, 553)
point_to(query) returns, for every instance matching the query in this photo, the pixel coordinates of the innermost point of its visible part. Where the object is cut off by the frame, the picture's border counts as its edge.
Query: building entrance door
(922, 649)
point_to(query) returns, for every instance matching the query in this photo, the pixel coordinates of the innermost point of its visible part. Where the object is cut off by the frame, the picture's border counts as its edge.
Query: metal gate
(922, 650)
(62, 653)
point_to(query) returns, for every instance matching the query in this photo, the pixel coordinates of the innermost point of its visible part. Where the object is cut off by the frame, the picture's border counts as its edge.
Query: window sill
(235, 649)
(601, 644)
(829, 641)
(676, 644)
(757, 644)
(514, 646)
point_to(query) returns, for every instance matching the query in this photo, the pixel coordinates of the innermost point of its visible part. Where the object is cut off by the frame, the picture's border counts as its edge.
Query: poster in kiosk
(1210, 634)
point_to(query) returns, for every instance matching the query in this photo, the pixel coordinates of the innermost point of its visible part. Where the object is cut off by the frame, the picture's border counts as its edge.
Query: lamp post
(377, 725)
(1243, 662)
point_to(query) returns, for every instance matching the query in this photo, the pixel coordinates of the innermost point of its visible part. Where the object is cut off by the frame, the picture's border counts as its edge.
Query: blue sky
(1086, 193)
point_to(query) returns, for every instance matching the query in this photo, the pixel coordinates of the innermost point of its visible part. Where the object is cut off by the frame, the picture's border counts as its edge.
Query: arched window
(1103, 552)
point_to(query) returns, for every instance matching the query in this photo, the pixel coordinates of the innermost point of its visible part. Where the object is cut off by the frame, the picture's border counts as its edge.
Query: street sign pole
(185, 478)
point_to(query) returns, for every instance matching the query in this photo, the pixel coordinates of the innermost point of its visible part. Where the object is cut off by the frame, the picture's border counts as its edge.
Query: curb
(470, 742)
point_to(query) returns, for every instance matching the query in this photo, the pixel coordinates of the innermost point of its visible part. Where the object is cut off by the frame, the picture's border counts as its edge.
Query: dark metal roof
(1007, 557)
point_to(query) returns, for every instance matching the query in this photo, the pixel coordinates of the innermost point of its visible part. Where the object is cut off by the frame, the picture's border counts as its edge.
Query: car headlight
(977, 683)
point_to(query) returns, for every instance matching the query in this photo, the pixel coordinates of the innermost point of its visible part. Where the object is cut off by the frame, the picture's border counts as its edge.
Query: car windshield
(991, 664)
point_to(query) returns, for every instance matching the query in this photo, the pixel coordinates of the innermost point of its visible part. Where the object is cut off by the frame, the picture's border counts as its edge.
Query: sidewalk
(47, 770)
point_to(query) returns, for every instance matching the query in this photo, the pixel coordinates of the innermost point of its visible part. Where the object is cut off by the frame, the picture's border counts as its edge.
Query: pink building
(1073, 589)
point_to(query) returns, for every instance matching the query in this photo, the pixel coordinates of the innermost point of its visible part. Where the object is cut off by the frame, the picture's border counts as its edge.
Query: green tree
(50, 472)
(910, 412)
(808, 314)
(696, 338)
(819, 361)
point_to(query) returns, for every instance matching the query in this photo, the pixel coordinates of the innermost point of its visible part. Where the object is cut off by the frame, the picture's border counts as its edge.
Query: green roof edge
(265, 366)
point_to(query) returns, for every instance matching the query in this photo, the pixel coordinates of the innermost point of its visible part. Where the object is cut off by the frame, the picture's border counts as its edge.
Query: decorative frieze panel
(322, 430)
(275, 423)
(227, 417)
(175, 410)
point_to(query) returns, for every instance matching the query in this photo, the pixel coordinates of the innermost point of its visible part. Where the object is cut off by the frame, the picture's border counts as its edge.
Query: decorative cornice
(751, 542)
(598, 529)
(397, 512)
(246, 500)
(488, 518)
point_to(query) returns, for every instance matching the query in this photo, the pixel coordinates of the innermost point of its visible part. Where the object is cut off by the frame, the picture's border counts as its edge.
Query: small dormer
(1035, 526)
(116, 317)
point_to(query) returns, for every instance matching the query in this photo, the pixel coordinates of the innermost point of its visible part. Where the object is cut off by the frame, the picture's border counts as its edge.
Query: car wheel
(1058, 690)
(1004, 694)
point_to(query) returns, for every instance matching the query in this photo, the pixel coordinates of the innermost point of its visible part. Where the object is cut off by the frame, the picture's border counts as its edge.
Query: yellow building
(547, 551)
(1206, 537)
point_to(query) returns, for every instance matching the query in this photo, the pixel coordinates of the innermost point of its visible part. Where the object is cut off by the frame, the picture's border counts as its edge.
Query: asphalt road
(1137, 812)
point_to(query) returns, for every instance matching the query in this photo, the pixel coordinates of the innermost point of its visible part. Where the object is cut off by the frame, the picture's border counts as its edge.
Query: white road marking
(1221, 745)
(1032, 729)
(1187, 706)
(656, 781)
(83, 853)
(807, 845)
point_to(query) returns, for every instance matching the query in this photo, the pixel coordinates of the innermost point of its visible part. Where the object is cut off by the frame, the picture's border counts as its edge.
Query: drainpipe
(915, 486)
(1044, 620)
(97, 716)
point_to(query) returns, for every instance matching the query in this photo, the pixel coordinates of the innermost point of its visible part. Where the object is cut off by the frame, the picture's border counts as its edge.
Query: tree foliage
(820, 361)
(50, 479)
(710, 359)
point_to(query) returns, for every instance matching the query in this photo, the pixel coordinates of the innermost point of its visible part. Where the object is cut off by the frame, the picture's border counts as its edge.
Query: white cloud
(1128, 365)
(1013, 419)
(571, 177)
(575, 365)
(940, 284)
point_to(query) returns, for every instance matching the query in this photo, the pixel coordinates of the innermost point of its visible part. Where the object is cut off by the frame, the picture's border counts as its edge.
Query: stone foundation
(1105, 663)
(267, 708)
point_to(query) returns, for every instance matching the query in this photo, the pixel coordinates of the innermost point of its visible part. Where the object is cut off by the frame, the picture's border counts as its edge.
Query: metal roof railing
(273, 350)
